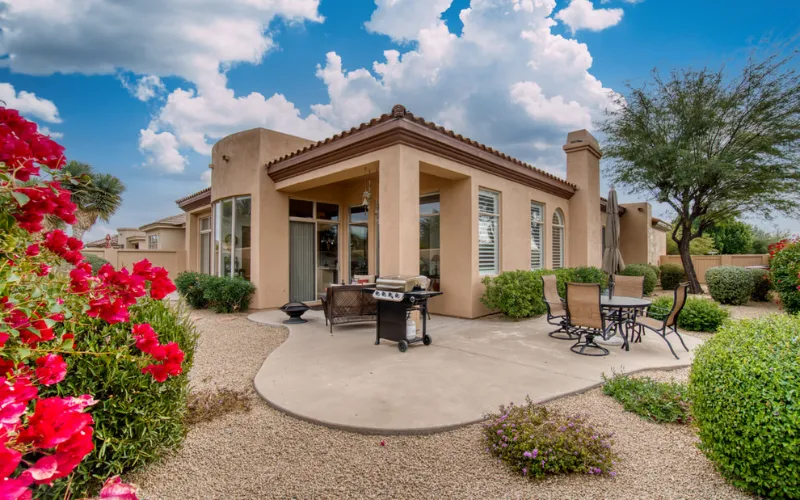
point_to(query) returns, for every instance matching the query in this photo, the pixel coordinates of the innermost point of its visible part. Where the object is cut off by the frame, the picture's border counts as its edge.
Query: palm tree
(97, 196)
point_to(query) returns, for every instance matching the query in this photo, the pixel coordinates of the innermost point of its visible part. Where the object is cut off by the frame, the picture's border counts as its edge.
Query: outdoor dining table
(618, 304)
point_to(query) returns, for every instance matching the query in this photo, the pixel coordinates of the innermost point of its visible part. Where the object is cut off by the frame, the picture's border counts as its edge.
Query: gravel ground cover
(266, 454)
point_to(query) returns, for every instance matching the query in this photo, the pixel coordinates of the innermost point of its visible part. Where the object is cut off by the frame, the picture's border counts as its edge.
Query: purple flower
(613, 474)
(525, 471)
(499, 432)
(527, 454)
(535, 453)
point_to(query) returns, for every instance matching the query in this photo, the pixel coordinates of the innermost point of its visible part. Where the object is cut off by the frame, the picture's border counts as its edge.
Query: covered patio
(343, 380)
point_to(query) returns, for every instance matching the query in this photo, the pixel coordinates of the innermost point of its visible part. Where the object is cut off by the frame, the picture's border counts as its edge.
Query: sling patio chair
(585, 317)
(669, 324)
(627, 286)
(556, 313)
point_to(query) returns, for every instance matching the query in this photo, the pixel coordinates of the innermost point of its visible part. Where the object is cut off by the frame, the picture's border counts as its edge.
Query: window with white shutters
(488, 232)
(537, 236)
(558, 239)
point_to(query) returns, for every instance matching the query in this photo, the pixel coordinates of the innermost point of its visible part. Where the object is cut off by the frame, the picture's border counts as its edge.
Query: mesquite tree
(710, 146)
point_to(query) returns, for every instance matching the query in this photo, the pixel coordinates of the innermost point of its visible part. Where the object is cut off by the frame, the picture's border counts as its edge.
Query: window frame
(365, 224)
(542, 230)
(561, 227)
(210, 219)
(497, 239)
(215, 224)
(338, 222)
(152, 241)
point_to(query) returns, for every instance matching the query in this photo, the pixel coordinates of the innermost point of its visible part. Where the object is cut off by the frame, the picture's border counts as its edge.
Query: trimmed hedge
(136, 421)
(518, 294)
(785, 267)
(671, 276)
(221, 294)
(746, 404)
(650, 276)
(698, 315)
(730, 284)
(95, 261)
(762, 285)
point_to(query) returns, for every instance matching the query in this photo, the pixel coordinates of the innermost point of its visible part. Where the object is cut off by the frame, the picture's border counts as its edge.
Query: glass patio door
(327, 255)
(301, 261)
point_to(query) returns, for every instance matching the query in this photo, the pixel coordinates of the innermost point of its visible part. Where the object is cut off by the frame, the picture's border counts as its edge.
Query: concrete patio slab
(473, 366)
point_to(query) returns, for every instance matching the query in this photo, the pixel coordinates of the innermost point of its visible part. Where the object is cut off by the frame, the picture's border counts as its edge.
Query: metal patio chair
(585, 317)
(556, 312)
(627, 286)
(663, 327)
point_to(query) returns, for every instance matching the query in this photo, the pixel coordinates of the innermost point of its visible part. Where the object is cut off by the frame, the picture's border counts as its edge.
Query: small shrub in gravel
(517, 294)
(730, 284)
(671, 276)
(658, 401)
(191, 287)
(745, 401)
(210, 404)
(697, 315)
(762, 285)
(227, 295)
(650, 276)
(536, 442)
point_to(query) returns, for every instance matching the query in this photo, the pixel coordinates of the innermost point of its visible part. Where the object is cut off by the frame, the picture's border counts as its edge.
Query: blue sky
(516, 74)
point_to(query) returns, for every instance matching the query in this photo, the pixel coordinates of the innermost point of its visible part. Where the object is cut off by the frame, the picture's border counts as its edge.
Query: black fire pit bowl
(295, 310)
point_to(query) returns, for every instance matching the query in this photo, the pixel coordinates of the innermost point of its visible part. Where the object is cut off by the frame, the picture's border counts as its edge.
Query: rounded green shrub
(656, 270)
(762, 285)
(95, 261)
(136, 421)
(746, 403)
(650, 277)
(697, 315)
(730, 284)
(227, 295)
(671, 276)
(586, 274)
(517, 294)
(190, 286)
(536, 442)
(648, 398)
(785, 267)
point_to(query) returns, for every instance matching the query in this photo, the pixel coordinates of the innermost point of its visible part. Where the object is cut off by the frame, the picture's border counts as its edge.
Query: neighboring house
(127, 238)
(168, 233)
(397, 195)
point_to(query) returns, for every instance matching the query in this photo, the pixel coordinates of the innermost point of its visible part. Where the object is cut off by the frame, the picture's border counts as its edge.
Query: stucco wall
(168, 238)
(634, 229)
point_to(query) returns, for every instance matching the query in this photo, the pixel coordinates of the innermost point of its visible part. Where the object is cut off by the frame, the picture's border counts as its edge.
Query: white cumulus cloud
(196, 40)
(581, 14)
(29, 104)
(507, 80)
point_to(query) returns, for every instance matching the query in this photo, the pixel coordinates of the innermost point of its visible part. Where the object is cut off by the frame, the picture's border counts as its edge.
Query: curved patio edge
(343, 424)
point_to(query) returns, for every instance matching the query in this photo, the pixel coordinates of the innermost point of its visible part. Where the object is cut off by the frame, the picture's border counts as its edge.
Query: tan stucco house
(168, 233)
(398, 195)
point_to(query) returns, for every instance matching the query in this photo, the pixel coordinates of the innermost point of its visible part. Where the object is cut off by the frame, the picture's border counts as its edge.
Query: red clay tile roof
(399, 112)
(202, 191)
(101, 243)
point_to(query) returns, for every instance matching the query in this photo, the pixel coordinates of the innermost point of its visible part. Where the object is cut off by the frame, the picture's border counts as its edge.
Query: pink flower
(115, 489)
(51, 369)
(32, 250)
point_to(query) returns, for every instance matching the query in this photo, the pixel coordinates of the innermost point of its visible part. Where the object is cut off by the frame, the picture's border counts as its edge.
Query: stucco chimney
(584, 227)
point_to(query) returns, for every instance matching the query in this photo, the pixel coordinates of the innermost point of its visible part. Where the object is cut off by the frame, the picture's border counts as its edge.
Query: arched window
(558, 239)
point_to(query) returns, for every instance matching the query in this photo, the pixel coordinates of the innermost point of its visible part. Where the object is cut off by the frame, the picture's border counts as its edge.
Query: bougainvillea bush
(536, 442)
(784, 267)
(43, 310)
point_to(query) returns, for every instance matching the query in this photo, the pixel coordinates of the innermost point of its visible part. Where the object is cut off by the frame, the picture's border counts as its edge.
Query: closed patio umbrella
(612, 258)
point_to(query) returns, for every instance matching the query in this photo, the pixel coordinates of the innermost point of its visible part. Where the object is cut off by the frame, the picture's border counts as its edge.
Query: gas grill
(396, 297)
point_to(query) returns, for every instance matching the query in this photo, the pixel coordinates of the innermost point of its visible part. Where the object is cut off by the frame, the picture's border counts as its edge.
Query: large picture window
(488, 232)
(232, 237)
(359, 239)
(558, 239)
(537, 236)
(429, 246)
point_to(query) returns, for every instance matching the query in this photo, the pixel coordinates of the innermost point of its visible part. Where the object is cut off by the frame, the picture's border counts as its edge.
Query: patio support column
(583, 224)
(192, 244)
(398, 192)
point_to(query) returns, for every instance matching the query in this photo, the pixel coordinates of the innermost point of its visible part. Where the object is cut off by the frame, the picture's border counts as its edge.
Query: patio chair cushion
(557, 309)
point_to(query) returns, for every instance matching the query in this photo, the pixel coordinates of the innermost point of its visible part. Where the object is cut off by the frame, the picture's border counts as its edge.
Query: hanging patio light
(367, 191)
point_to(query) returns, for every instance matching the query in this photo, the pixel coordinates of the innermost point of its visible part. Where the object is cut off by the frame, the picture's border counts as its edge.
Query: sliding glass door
(301, 261)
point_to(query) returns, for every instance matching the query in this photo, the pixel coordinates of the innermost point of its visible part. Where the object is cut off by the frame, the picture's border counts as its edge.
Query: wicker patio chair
(669, 324)
(556, 312)
(346, 304)
(585, 317)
